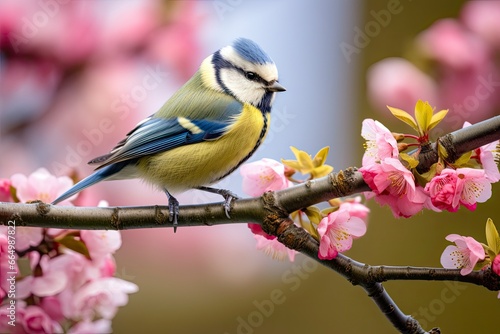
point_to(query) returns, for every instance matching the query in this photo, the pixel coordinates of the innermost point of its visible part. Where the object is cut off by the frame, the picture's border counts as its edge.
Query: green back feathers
(195, 101)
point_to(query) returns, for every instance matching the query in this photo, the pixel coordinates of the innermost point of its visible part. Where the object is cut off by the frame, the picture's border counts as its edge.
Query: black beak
(276, 87)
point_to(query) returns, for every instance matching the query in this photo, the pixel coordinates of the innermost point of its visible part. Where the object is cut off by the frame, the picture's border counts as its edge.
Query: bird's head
(244, 71)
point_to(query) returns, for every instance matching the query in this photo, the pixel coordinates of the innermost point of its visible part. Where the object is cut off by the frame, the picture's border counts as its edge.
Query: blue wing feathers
(157, 135)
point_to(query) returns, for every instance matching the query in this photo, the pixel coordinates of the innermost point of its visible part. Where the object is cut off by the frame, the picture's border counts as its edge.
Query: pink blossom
(5, 190)
(464, 186)
(257, 230)
(464, 255)
(489, 156)
(101, 326)
(263, 175)
(380, 142)
(274, 248)
(405, 206)
(472, 186)
(100, 297)
(101, 243)
(442, 190)
(35, 320)
(394, 185)
(399, 83)
(389, 177)
(495, 265)
(355, 208)
(337, 232)
(41, 185)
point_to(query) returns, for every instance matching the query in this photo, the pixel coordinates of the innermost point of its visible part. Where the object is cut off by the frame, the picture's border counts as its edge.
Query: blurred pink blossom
(35, 320)
(337, 231)
(53, 279)
(399, 83)
(177, 46)
(52, 306)
(41, 185)
(450, 43)
(101, 243)
(5, 190)
(274, 248)
(257, 230)
(481, 17)
(98, 298)
(27, 237)
(101, 326)
(464, 255)
(459, 57)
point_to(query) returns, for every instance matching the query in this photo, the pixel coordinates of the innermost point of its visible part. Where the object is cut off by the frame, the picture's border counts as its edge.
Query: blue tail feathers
(98, 176)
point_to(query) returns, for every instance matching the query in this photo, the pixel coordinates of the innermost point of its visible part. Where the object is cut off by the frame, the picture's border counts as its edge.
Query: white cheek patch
(242, 88)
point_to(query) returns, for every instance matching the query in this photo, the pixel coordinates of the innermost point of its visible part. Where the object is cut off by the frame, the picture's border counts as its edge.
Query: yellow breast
(204, 163)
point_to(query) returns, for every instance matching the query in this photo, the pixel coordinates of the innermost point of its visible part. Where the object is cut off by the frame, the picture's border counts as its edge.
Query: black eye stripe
(252, 76)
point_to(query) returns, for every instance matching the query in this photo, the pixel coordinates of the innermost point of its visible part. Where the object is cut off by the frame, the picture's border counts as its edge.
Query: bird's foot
(173, 209)
(229, 196)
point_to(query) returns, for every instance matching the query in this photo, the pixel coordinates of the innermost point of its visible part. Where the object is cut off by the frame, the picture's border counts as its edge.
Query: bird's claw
(228, 200)
(173, 210)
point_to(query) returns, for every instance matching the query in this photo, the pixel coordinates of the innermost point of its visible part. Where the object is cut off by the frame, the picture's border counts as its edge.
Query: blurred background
(76, 76)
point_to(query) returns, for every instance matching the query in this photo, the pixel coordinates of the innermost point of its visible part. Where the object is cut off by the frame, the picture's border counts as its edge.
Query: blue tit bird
(208, 128)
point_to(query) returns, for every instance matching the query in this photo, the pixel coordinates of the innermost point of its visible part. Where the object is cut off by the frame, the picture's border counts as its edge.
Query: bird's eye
(250, 75)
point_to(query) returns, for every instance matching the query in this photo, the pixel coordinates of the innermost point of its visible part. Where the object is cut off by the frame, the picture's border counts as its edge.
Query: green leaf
(13, 194)
(404, 117)
(437, 118)
(70, 242)
(329, 210)
(463, 159)
(441, 151)
(423, 178)
(492, 236)
(313, 214)
(423, 115)
(411, 161)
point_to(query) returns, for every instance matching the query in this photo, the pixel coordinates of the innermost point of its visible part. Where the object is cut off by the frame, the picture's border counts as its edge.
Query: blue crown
(250, 51)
